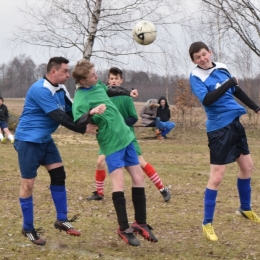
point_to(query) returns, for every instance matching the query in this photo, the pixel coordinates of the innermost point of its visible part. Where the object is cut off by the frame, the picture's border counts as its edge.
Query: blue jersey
(224, 110)
(42, 98)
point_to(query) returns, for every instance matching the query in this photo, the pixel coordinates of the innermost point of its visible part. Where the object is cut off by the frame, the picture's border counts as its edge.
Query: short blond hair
(81, 70)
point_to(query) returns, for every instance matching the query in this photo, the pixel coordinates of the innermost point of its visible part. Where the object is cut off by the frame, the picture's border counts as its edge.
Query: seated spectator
(148, 113)
(163, 115)
(3, 123)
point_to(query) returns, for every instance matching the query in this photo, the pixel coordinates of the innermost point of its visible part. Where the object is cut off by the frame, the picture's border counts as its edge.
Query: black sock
(139, 201)
(120, 207)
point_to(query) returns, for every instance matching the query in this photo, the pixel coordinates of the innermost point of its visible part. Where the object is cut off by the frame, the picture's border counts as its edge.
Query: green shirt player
(115, 139)
(126, 107)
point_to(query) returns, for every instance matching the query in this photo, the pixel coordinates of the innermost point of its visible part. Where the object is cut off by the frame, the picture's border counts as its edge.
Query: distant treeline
(19, 74)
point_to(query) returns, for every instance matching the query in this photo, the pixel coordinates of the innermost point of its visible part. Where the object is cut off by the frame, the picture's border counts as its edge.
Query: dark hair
(196, 47)
(115, 71)
(1, 98)
(56, 62)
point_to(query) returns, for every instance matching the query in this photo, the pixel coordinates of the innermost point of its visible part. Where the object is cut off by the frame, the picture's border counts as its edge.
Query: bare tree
(185, 103)
(3, 77)
(93, 28)
(19, 76)
(239, 16)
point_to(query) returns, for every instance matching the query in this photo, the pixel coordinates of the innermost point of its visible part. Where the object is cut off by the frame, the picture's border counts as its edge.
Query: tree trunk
(92, 29)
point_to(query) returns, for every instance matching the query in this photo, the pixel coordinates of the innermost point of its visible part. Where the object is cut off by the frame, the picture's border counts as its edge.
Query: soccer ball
(144, 32)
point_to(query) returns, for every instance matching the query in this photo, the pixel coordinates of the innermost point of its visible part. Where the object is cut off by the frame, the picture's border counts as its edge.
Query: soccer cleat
(144, 230)
(249, 214)
(34, 236)
(67, 227)
(128, 236)
(95, 196)
(159, 137)
(209, 232)
(166, 194)
(12, 141)
(3, 141)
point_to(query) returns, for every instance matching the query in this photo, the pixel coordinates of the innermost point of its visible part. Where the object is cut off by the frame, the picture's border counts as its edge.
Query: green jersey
(113, 134)
(126, 107)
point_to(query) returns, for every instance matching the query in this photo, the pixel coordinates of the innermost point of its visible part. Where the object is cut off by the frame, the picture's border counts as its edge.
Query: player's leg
(151, 173)
(8, 134)
(3, 125)
(29, 155)
(243, 181)
(53, 164)
(245, 164)
(115, 163)
(210, 196)
(221, 152)
(1, 133)
(138, 194)
(99, 179)
(155, 178)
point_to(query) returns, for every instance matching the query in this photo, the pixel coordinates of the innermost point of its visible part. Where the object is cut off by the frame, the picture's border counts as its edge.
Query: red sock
(100, 177)
(153, 176)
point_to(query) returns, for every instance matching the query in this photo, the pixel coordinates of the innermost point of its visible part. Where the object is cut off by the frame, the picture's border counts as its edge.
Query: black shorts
(228, 143)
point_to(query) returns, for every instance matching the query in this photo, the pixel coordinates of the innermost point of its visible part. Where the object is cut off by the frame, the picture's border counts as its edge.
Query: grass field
(182, 163)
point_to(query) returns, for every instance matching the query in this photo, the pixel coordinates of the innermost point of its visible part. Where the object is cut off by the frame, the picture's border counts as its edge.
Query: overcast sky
(10, 18)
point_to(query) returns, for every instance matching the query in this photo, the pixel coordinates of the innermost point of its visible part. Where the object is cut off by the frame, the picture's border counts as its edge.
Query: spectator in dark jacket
(3, 123)
(163, 114)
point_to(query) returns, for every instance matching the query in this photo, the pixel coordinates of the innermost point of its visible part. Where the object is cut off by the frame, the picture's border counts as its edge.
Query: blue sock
(244, 191)
(27, 211)
(59, 196)
(209, 205)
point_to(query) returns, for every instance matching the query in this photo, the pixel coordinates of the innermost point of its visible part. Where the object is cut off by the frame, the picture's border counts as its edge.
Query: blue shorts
(3, 125)
(136, 145)
(32, 155)
(122, 158)
(228, 143)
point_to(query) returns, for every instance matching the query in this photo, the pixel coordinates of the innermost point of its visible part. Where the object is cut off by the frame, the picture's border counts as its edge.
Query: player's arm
(242, 96)
(120, 91)
(62, 118)
(69, 114)
(130, 121)
(85, 119)
(131, 112)
(214, 95)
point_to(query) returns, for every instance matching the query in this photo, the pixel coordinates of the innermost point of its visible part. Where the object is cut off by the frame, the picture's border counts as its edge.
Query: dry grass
(182, 163)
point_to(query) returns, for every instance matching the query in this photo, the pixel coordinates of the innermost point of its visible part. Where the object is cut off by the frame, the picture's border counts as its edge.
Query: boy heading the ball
(115, 139)
(215, 88)
(125, 106)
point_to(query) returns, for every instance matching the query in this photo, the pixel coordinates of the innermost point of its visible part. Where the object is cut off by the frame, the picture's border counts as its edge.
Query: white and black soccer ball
(144, 32)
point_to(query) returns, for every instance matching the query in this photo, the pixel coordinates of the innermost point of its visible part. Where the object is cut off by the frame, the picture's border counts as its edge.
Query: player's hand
(134, 93)
(98, 110)
(93, 129)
